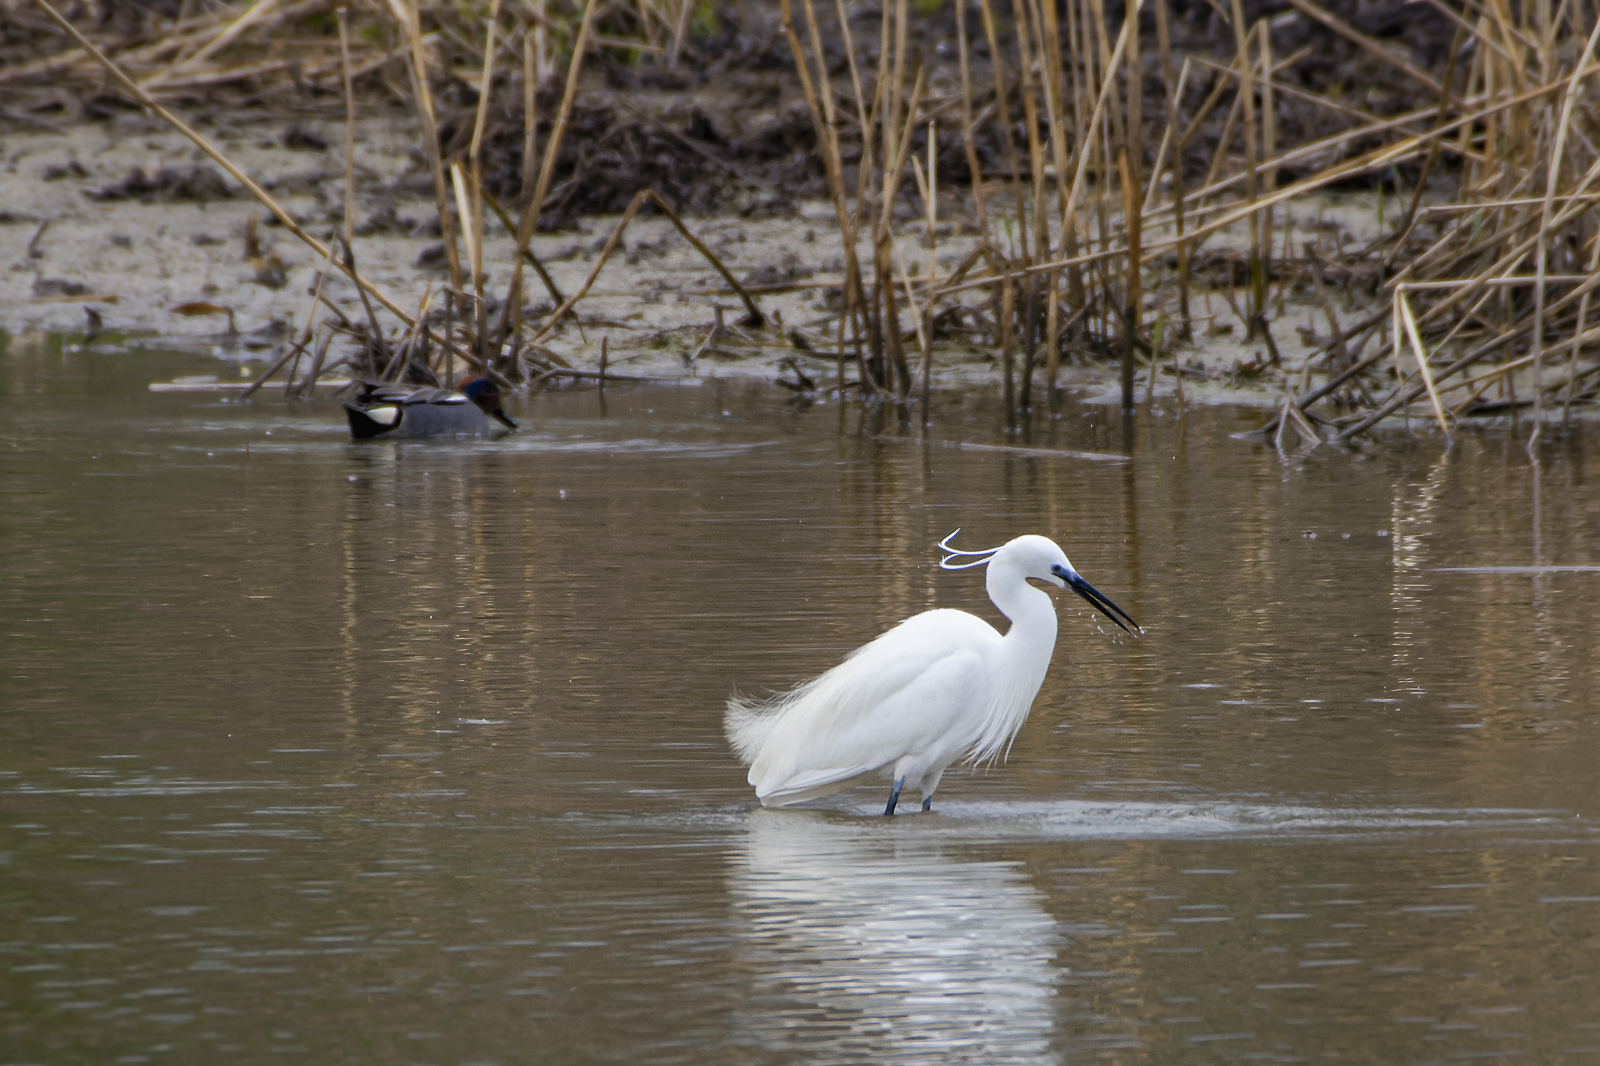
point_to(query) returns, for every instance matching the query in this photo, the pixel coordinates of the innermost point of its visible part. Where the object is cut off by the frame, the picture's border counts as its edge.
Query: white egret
(939, 686)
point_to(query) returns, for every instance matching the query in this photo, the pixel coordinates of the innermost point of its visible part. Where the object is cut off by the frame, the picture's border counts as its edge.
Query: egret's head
(1038, 558)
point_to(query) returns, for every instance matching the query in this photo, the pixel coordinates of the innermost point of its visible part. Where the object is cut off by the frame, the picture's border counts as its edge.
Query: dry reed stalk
(1404, 318)
(680, 30)
(855, 304)
(1581, 334)
(1026, 68)
(308, 384)
(535, 200)
(974, 168)
(1257, 302)
(527, 253)
(349, 126)
(530, 113)
(408, 18)
(291, 352)
(897, 149)
(1132, 303)
(1003, 117)
(1373, 160)
(395, 367)
(1007, 306)
(173, 38)
(1169, 133)
(1269, 147)
(1082, 74)
(1174, 101)
(826, 124)
(756, 319)
(224, 37)
(469, 232)
(299, 345)
(1107, 86)
(925, 362)
(474, 220)
(1053, 81)
(290, 388)
(1541, 255)
(1403, 396)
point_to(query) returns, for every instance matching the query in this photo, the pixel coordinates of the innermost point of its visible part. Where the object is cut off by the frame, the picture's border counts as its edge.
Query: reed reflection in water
(872, 940)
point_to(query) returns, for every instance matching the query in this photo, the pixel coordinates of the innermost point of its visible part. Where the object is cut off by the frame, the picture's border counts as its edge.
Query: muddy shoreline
(90, 226)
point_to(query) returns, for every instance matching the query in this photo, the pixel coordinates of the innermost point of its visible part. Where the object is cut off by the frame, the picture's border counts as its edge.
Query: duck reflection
(871, 941)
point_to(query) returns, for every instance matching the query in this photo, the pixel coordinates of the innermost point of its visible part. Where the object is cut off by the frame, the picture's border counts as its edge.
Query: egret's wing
(910, 690)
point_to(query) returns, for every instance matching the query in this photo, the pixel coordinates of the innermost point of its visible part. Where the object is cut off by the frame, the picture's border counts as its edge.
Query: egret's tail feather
(747, 722)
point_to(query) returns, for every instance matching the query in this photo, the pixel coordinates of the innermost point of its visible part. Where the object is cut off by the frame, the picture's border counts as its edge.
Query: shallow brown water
(319, 752)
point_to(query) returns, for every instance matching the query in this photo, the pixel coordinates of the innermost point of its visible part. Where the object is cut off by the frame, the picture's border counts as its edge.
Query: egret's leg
(894, 796)
(930, 783)
(927, 804)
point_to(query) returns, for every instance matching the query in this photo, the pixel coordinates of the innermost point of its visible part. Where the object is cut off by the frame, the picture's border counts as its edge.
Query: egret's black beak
(1096, 600)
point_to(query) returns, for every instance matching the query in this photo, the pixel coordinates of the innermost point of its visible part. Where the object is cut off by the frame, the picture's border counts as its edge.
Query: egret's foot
(894, 796)
(927, 804)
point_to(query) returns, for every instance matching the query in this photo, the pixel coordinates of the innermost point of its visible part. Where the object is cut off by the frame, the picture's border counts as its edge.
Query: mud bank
(128, 220)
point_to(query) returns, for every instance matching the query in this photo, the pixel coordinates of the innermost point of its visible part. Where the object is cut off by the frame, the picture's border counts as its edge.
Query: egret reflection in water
(871, 942)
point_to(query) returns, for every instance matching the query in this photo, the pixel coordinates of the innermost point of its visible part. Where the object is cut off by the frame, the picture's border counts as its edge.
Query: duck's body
(406, 412)
(940, 686)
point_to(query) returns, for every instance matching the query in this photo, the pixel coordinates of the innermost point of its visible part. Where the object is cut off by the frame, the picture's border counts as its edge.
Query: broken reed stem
(756, 318)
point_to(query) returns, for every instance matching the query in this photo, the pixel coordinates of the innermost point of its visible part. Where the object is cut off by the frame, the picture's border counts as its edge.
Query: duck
(393, 411)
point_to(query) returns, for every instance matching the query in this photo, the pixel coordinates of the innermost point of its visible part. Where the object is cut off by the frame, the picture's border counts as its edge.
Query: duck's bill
(1102, 604)
(499, 415)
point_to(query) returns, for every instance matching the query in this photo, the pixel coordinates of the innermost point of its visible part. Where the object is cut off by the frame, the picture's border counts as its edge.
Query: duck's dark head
(486, 394)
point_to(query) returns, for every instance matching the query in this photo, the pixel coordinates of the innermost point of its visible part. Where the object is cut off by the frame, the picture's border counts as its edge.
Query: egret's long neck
(1033, 616)
(1024, 656)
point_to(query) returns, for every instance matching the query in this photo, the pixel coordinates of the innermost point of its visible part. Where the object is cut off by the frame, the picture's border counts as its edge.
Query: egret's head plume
(981, 557)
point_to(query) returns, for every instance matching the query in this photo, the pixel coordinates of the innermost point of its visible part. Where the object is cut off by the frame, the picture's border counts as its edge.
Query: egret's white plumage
(940, 686)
